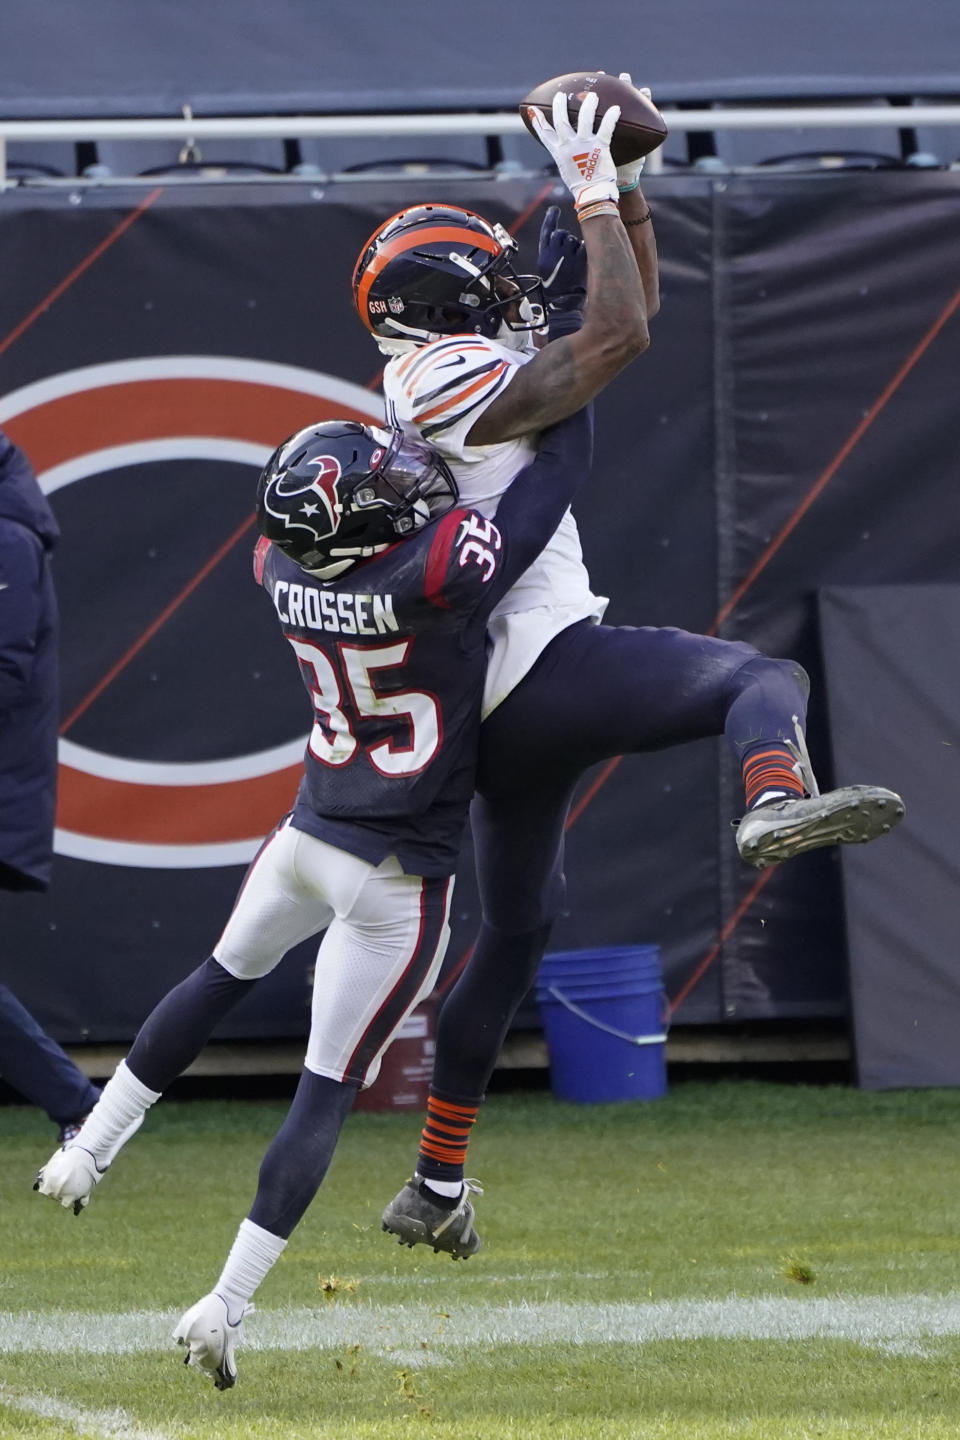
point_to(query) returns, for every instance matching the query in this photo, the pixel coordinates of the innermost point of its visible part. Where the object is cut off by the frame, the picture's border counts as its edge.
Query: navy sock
(293, 1168)
(175, 1032)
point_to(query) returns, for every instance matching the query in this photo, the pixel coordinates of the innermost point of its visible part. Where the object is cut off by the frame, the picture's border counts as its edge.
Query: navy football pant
(36, 1066)
(597, 691)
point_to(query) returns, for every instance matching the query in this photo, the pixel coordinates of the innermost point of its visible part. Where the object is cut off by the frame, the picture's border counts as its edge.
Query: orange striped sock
(445, 1136)
(770, 767)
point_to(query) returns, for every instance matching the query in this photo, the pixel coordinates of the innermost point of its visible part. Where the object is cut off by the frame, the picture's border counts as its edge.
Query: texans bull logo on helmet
(319, 520)
(323, 485)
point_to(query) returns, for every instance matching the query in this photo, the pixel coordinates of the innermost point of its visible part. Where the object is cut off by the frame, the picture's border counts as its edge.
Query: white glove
(583, 155)
(69, 1176)
(628, 176)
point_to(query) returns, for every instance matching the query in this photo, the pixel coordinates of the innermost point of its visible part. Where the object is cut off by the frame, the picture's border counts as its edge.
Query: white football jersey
(438, 392)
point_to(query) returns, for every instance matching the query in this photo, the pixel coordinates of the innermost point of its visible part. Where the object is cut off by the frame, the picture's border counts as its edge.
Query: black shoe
(419, 1219)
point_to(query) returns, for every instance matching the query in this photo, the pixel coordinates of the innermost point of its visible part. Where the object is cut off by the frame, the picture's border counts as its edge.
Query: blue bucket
(604, 1016)
(639, 961)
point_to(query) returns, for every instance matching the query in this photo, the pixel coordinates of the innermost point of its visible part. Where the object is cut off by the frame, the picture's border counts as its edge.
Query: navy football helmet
(339, 492)
(438, 270)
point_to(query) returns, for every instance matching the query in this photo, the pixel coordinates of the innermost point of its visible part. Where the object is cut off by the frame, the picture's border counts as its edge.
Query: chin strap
(523, 341)
(330, 572)
(386, 346)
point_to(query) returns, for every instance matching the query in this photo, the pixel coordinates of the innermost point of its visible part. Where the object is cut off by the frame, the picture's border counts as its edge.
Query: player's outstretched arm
(638, 222)
(568, 373)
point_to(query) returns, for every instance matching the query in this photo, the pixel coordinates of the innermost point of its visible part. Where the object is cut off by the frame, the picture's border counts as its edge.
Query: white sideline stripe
(101, 1424)
(898, 1324)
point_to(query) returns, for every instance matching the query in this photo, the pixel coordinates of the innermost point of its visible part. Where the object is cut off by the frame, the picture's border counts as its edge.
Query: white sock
(254, 1252)
(450, 1188)
(768, 795)
(123, 1100)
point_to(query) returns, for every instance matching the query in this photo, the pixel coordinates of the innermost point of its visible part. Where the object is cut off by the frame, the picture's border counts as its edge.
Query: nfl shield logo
(396, 305)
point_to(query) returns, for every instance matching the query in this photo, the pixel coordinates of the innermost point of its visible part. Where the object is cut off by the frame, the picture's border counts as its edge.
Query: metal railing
(291, 127)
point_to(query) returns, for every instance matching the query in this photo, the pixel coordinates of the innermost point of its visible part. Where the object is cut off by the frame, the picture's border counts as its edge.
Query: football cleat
(851, 815)
(72, 1172)
(207, 1331)
(417, 1219)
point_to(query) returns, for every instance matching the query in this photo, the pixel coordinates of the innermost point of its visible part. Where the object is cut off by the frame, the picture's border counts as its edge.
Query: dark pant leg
(177, 1029)
(294, 1166)
(597, 691)
(477, 1013)
(36, 1066)
(518, 849)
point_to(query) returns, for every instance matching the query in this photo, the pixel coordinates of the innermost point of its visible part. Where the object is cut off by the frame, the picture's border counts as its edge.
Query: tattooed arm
(570, 371)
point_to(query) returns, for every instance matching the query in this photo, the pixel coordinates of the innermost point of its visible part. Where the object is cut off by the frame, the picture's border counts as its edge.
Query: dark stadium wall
(904, 955)
(189, 329)
(839, 385)
(298, 56)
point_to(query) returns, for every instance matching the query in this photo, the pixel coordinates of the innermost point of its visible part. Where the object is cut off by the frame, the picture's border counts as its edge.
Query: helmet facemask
(410, 486)
(511, 307)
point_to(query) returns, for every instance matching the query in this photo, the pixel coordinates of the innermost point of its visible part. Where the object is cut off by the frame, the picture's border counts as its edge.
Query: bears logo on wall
(119, 811)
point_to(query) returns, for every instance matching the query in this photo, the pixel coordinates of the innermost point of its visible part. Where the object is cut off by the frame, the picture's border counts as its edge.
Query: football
(640, 128)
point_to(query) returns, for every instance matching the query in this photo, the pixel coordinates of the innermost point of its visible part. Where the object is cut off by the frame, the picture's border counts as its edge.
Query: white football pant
(386, 935)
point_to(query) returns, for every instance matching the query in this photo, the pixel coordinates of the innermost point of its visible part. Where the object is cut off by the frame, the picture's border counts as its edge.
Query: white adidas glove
(628, 176)
(583, 155)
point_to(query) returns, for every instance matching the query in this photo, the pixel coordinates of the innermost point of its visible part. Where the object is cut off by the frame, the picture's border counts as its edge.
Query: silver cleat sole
(851, 815)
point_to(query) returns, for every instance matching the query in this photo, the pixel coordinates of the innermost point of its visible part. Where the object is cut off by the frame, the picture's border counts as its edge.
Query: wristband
(627, 189)
(598, 207)
(595, 191)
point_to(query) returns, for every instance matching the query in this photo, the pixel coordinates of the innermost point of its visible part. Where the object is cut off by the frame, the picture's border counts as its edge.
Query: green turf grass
(721, 1190)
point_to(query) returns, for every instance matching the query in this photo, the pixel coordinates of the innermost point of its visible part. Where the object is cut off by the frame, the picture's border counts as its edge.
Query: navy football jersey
(393, 657)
